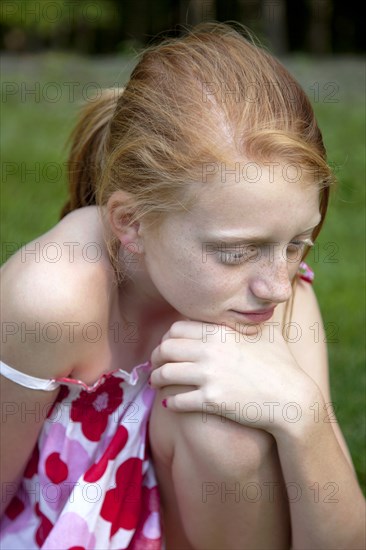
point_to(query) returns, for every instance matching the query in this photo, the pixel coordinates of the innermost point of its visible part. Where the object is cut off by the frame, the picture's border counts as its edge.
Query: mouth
(254, 317)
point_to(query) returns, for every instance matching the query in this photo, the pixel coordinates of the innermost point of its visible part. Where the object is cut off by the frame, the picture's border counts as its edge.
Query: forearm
(322, 487)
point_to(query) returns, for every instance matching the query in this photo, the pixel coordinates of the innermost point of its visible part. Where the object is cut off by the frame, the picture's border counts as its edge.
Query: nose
(270, 281)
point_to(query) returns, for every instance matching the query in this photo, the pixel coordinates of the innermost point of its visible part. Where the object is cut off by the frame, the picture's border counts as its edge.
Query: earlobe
(120, 214)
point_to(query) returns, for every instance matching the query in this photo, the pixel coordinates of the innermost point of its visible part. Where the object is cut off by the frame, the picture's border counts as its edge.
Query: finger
(191, 401)
(187, 329)
(176, 350)
(176, 373)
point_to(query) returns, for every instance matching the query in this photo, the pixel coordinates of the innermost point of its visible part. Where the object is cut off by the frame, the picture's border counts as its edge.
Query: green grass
(35, 132)
(339, 261)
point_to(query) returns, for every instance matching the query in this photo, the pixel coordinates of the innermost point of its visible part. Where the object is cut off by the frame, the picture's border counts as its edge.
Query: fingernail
(164, 403)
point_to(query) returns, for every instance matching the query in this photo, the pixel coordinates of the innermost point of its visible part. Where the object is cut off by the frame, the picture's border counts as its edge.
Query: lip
(255, 317)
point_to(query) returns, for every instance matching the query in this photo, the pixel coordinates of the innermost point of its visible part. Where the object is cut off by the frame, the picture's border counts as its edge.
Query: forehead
(276, 197)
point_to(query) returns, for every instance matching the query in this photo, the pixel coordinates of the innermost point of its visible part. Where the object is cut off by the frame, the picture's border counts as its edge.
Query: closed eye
(239, 255)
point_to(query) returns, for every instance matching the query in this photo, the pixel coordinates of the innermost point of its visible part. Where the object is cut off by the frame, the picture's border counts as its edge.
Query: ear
(121, 208)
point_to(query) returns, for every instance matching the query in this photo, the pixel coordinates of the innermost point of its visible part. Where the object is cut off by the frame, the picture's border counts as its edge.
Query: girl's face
(236, 250)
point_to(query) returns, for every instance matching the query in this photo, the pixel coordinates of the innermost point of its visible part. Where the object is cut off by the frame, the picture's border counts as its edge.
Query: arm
(261, 374)
(23, 414)
(35, 295)
(311, 352)
(23, 410)
(315, 455)
(323, 490)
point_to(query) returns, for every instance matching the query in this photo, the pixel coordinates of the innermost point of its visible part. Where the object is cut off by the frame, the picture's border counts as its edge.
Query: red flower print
(93, 409)
(44, 528)
(56, 469)
(122, 505)
(148, 534)
(32, 466)
(119, 440)
(14, 508)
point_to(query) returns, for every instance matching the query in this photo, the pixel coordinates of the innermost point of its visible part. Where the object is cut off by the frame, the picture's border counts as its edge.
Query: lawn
(40, 98)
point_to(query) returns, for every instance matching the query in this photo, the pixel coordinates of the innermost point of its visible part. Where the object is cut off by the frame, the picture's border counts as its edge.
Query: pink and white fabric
(89, 483)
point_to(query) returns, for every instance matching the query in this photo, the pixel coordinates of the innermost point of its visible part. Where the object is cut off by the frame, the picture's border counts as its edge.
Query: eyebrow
(231, 237)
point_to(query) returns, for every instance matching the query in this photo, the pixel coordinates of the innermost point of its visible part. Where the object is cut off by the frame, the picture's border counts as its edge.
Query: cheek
(213, 281)
(178, 271)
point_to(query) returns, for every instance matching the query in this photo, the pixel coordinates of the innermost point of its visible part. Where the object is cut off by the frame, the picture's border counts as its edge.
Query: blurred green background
(48, 70)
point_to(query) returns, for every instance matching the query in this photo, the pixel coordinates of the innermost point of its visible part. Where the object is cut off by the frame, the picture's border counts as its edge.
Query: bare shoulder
(53, 286)
(306, 335)
(305, 301)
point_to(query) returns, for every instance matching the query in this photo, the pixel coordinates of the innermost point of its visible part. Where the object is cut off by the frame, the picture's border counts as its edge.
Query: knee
(231, 449)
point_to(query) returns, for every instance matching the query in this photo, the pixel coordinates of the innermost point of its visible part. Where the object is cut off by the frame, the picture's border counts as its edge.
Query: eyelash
(235, 258)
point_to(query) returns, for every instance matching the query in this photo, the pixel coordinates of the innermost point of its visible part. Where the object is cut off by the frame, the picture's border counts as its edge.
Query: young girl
(210, 178)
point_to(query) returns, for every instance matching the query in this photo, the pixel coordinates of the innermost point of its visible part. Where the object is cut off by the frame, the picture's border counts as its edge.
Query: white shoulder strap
(27, 381)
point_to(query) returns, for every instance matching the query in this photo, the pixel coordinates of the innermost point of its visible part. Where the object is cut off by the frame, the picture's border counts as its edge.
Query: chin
(247, 330)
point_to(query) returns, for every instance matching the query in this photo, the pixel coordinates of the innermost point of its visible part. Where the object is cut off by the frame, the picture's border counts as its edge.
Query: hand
(252, 380)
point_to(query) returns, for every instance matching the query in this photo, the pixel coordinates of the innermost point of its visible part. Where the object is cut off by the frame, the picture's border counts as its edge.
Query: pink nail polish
(164, 403)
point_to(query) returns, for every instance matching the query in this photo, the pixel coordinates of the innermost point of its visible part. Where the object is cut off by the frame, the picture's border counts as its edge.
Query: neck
(139, 302)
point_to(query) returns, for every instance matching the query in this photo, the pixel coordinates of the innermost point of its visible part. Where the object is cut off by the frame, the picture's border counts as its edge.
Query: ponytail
(87, 151)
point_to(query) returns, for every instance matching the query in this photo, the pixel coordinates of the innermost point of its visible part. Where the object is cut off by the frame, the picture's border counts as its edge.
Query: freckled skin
(179, 268)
